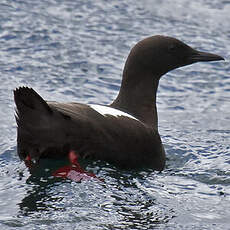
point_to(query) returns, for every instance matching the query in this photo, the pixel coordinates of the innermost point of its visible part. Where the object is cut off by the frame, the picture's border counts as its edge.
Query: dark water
(75, 51)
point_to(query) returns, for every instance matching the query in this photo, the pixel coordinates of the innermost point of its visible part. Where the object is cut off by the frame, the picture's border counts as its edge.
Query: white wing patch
(105, 110)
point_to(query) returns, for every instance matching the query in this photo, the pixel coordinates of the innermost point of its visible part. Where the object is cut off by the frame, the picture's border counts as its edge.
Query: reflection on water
(122, 197)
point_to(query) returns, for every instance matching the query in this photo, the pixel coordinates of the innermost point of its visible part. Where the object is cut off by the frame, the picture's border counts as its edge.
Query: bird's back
(51, 129)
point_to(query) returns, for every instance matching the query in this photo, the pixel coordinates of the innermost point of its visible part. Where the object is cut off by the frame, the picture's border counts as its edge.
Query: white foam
(105, 110)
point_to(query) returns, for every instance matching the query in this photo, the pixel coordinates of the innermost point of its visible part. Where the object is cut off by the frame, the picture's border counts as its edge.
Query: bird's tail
(29, 104)
(33, 116)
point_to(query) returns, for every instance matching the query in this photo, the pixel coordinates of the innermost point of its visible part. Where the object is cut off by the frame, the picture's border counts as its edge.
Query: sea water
(75, 51)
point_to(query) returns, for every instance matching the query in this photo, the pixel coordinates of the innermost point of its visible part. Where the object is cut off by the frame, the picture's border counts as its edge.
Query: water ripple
(75, 51)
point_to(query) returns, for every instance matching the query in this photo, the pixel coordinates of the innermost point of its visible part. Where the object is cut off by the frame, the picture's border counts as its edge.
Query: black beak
(198, 56)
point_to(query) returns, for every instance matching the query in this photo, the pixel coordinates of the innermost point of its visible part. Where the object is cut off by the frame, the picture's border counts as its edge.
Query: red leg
(74, 171)
(28, 161)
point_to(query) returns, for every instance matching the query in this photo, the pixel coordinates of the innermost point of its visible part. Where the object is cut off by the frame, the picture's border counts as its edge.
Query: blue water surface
(75, 51)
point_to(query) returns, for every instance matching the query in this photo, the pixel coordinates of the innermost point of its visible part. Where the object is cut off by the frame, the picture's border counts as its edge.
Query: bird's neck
(137, 97)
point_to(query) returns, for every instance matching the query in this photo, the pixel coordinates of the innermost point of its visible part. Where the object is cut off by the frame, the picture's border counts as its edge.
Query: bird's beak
(198, 56)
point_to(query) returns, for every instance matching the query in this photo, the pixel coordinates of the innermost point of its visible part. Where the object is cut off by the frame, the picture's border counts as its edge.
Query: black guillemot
(124, 133)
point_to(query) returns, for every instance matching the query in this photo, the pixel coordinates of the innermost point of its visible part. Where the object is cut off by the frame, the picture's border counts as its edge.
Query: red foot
(74, 171)
(28, 161)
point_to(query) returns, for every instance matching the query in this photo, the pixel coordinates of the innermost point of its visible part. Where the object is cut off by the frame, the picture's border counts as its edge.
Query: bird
(123, 133)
